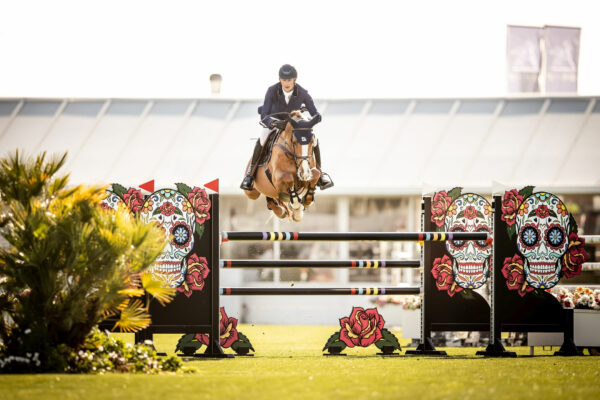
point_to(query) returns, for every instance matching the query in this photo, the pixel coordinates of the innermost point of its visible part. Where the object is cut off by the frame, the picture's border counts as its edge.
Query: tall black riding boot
(324, 181)
(248, 182)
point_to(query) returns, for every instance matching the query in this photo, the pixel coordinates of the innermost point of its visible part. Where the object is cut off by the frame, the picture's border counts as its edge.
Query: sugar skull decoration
(111, 201)
(546, 238)
(173, 213)
(181, 214)
(118, 196)
(471, 264)
(468, 264)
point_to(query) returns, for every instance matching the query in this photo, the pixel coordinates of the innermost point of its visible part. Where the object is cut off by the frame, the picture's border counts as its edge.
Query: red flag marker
(148, 186)
(213, 185)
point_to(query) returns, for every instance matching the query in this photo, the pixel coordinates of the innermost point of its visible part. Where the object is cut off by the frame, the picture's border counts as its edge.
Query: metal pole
(263, 291)
(354, 236)
(319, 263)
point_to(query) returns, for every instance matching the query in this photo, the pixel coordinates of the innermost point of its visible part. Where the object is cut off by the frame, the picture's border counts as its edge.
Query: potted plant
(585, 303)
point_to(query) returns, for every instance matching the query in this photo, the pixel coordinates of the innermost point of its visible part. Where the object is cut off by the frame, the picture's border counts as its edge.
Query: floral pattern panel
(230, 337)
(362, 329)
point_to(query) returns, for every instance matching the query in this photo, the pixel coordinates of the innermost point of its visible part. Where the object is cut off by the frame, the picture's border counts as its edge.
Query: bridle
(291, 154)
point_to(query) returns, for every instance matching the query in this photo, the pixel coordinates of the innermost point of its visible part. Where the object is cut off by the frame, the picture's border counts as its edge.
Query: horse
(289, 176)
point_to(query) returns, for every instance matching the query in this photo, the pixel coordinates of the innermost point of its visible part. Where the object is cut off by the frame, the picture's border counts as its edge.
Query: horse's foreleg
(296, 204)
(309, 197)
(283, 181)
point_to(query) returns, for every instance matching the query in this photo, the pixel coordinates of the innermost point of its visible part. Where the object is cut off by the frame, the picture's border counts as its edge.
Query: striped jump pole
(311, 291)
(354, 236)
(319, 263)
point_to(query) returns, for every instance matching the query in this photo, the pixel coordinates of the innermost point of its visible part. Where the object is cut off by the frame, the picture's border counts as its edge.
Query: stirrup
(324, 181)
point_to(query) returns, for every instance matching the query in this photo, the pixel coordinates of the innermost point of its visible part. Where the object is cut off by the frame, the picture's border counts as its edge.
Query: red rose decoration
(201, 204)
(444, 278)
(167, 209)
(134, 199)
(470, 212)
(362, 328)
(510, 204)
(197, 271)
(439, 206)
(542, 211)
(515, 276)
(227, 330)
(574, 257)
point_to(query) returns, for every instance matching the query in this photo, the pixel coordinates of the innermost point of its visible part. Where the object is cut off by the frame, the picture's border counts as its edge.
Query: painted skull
(543, 228)
(171, 210)
(469, 213)
(111, 201)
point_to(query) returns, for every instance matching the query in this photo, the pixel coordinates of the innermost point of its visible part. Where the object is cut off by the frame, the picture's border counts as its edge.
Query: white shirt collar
(287, 95)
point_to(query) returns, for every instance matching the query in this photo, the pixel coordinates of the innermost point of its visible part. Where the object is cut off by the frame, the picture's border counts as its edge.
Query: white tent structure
(387, 147)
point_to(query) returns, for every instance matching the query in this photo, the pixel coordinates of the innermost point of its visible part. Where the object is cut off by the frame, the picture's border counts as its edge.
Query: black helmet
(287, 72)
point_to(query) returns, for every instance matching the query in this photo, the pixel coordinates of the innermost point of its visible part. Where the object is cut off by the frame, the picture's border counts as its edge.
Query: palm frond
(133, 318)
(132, 292)
(157, 289)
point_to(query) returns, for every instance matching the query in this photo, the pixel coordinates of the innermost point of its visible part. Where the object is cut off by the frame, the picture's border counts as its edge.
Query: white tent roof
(368, 146)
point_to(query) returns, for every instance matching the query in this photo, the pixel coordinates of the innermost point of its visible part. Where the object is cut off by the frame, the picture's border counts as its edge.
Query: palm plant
(70, 264)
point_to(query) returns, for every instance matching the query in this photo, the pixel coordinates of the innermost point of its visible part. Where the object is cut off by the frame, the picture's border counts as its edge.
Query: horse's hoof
(297, 216)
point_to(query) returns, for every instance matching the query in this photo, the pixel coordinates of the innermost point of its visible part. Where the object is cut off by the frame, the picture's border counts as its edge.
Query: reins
(290, 152)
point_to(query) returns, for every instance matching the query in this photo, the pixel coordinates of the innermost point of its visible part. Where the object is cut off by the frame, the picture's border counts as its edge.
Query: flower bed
(579, 298)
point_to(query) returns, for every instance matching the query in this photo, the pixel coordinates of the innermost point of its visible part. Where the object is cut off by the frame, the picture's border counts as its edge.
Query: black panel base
(426, 349)
(496, 350)
(335, 354)
(213, 355)
(214, 350)
(568, 349)
(388, 354)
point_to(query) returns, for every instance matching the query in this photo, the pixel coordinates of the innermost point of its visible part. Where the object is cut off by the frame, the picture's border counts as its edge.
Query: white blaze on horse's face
(305, 172)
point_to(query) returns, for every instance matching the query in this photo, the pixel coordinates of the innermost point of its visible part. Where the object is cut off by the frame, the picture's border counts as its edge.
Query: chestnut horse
(289, 177)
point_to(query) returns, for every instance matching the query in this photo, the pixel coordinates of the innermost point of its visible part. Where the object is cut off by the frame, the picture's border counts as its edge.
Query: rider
(284, 96)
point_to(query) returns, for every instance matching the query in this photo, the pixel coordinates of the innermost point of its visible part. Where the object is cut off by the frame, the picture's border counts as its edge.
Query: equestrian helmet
(287, 72)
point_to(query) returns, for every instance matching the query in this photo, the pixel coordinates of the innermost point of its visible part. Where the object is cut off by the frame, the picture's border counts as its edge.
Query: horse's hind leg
(252, 194)
(278, 210)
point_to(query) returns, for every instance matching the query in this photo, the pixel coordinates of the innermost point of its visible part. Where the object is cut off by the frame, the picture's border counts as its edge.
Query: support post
(495, 347)
(214, 350)
(568, 347)
(426, 347)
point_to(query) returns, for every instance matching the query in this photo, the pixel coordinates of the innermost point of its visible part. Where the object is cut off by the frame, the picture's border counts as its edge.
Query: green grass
(289, 365)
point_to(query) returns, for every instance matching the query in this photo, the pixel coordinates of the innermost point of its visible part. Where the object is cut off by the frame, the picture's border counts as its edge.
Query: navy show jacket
(275, 102)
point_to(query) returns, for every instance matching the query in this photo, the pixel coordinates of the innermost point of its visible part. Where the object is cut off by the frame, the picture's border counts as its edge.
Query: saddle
(267, 149)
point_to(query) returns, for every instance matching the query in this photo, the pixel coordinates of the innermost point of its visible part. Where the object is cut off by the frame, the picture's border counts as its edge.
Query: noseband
(291, 154)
